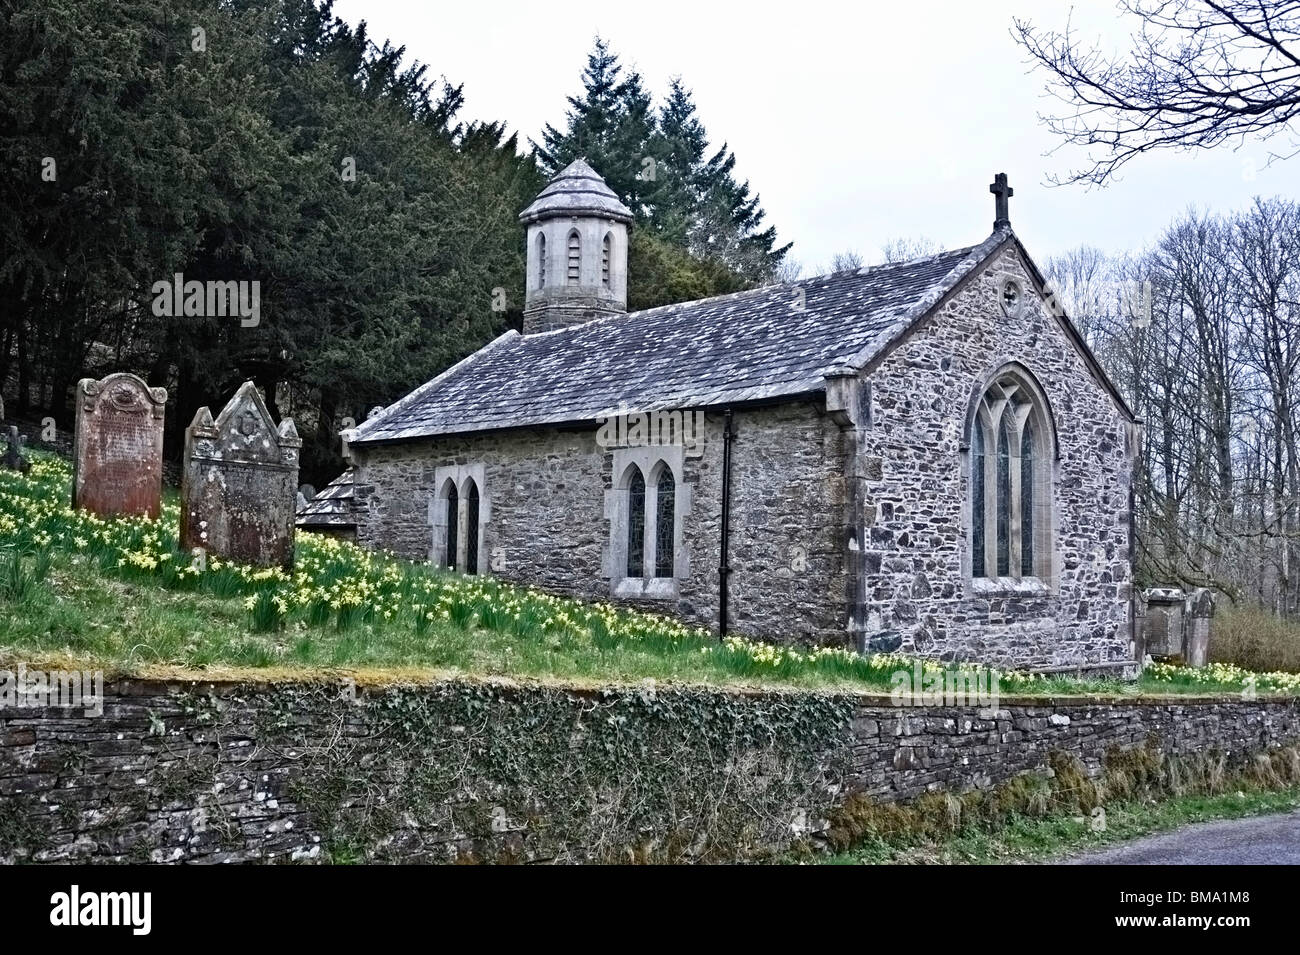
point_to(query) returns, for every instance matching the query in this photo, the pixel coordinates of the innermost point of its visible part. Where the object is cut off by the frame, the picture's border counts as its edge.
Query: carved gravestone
(1175, 626)
(117, 446)
(13, 459)
(239, 486)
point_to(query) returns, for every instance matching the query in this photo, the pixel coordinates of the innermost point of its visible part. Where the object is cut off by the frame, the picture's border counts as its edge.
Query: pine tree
(658, 163)
(612, 126)
(728, 224)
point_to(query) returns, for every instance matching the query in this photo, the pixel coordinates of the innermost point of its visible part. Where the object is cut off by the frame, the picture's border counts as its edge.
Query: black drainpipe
(724, 570)
(1139, 652)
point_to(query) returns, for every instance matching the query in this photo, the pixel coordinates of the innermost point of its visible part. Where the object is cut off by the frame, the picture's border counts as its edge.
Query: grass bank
(121, 595)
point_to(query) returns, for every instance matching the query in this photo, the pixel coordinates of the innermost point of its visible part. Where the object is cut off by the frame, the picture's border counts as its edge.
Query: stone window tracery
(1010, 482)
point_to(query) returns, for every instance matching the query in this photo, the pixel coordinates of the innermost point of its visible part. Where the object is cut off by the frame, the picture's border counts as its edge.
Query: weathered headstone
(1161, 627)
(13, 459)
(1199, 613)
(239, 486)
(117, 446)
(1175, 626)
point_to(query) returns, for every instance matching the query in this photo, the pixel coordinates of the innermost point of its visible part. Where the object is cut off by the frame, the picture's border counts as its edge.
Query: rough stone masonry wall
(548, 526)
(917, 596)
(465, 771)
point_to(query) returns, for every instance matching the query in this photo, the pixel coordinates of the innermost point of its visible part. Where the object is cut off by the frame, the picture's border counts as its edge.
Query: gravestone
(13, 459)
(1198, 614)
(239, 485)
(117, 446)
(1175, 626)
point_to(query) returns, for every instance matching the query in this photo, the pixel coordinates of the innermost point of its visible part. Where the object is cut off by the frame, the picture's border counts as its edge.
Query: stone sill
(646, 588)
(1009, 587)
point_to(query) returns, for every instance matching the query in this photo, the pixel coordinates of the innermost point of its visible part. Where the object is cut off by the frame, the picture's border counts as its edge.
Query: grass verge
(1026, 839)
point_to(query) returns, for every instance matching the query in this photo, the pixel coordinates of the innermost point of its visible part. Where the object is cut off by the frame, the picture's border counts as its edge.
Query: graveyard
(703, 479)
(122, 593)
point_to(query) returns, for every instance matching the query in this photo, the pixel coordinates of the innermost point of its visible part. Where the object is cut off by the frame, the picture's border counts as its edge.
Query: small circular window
(1011, 296)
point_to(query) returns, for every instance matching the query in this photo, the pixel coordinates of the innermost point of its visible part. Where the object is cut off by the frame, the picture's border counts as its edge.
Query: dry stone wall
(478, 771)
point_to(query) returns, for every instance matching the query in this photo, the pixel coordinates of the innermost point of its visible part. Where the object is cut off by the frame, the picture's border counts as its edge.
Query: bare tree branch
(1201, 73)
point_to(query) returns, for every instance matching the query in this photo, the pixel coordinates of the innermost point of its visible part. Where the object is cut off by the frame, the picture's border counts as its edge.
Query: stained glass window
(575, 258)
(1004, 500)
(666, 492)
(636, 525)
(471, 530)
(977, 500)
(1027, 501)
(453, 521)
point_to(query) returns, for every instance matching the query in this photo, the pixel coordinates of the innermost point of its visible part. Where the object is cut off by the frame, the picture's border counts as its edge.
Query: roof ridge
(741, 346)
(770, 286)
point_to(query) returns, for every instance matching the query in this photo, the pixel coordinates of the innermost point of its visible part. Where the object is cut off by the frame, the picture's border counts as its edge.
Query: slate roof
(331, 507)
(576, 190)
(772, 342)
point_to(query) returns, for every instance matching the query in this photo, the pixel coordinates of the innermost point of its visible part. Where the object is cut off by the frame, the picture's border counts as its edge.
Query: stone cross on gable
(1003, 192)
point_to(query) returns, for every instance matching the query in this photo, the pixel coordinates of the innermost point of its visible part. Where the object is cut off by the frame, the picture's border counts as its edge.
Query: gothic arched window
(977, 511)
(453, 525)
(1027, 481)
(636, 524)
(604, 260)
(471, 529)
(1004, 499)
(541, 260)
(665, 512)
(1010, 481)
(575, 258)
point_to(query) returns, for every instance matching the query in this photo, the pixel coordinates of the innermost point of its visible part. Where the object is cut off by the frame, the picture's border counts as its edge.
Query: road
(1258, 840)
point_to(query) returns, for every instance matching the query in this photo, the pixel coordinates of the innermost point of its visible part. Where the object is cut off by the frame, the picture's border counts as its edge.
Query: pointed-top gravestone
(117, 446)
(240, 483)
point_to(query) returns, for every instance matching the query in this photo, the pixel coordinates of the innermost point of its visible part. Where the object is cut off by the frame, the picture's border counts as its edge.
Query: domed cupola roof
(576, 190)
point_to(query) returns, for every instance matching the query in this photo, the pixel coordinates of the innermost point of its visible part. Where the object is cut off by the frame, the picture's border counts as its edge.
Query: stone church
(922, 456)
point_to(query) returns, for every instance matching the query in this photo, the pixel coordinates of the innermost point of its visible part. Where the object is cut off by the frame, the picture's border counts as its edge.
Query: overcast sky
(856, 122)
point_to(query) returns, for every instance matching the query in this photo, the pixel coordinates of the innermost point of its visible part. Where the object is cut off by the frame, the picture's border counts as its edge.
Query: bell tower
(577, 251)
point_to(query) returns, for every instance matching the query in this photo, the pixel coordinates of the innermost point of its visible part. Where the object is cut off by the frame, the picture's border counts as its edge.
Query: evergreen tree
(658, 163)
(612, 126)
